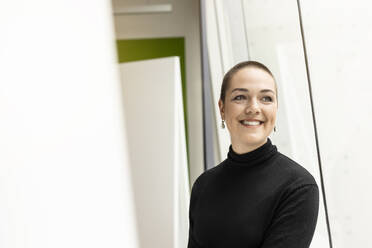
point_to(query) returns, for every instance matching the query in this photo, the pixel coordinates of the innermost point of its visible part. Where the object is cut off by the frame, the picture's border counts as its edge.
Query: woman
(257, 197)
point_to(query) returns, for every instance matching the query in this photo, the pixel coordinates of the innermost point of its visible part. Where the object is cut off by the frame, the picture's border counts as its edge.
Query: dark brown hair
(235, 69)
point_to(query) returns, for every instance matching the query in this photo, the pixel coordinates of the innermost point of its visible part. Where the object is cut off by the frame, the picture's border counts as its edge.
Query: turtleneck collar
(258, 156)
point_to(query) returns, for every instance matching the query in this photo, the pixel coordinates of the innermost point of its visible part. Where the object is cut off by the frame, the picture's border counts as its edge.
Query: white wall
(339, 38)
(183, 21)
(63, 164)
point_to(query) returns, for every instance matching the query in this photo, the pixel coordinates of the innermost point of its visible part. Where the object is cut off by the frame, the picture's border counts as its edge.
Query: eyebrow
(246, 90)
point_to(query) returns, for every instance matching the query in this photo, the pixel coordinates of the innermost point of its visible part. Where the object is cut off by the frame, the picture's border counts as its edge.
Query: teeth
(251, 123)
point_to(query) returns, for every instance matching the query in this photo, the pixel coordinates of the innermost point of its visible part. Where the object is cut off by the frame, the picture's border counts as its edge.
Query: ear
(222, 109)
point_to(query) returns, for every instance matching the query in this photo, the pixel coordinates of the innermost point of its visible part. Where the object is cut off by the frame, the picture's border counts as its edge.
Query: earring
(223, 124)
(274, 128)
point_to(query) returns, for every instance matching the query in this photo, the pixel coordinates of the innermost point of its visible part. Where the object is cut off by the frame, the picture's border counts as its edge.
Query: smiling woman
(248, 105)
(257, 197)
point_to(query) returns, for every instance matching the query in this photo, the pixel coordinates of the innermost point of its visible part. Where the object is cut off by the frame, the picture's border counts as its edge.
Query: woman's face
(250, 108)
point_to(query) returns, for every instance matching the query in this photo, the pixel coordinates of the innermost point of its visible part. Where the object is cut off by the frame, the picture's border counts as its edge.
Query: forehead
(252, 78)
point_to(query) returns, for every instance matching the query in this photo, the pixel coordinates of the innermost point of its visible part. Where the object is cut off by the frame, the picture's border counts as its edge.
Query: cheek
(273, 117)
(232, 112)
(270, 114)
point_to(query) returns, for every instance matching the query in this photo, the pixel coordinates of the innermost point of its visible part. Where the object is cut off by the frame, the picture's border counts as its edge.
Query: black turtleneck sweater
(260, 199)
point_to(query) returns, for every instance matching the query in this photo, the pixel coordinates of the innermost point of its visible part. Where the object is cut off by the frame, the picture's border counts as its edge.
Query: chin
(253, 140)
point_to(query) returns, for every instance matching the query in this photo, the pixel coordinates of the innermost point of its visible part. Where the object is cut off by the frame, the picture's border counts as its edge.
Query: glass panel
(339, 38)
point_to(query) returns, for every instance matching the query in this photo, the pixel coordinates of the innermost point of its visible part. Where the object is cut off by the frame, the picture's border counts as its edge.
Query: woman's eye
(239, 97)
(267, 99)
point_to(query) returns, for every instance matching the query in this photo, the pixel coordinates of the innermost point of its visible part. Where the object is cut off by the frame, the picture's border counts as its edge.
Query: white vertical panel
(224, 35)
(339, 38)
(235, 32)
(157, 149)
(217, 70)
(63, 164)
(181, 175)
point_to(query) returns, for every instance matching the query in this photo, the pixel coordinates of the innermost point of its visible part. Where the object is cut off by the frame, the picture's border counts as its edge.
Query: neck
(245, 148)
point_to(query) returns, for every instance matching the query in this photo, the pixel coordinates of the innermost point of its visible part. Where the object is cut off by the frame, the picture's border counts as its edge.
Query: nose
(252, 107)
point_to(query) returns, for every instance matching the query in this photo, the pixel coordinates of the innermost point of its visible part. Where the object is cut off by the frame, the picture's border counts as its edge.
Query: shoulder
(207, 176)
(295, 174)
(298, 186)
(209, 173)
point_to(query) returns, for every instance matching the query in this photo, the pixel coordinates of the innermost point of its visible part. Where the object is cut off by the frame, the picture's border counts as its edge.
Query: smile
(252, 123)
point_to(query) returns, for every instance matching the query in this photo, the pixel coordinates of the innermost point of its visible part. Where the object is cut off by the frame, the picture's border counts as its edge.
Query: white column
(63, 163)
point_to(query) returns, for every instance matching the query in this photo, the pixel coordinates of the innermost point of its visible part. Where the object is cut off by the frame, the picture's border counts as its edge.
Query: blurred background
(108, 113)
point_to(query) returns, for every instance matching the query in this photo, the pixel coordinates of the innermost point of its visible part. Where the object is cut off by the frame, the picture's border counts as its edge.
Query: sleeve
(194, 196)
(294, 221)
